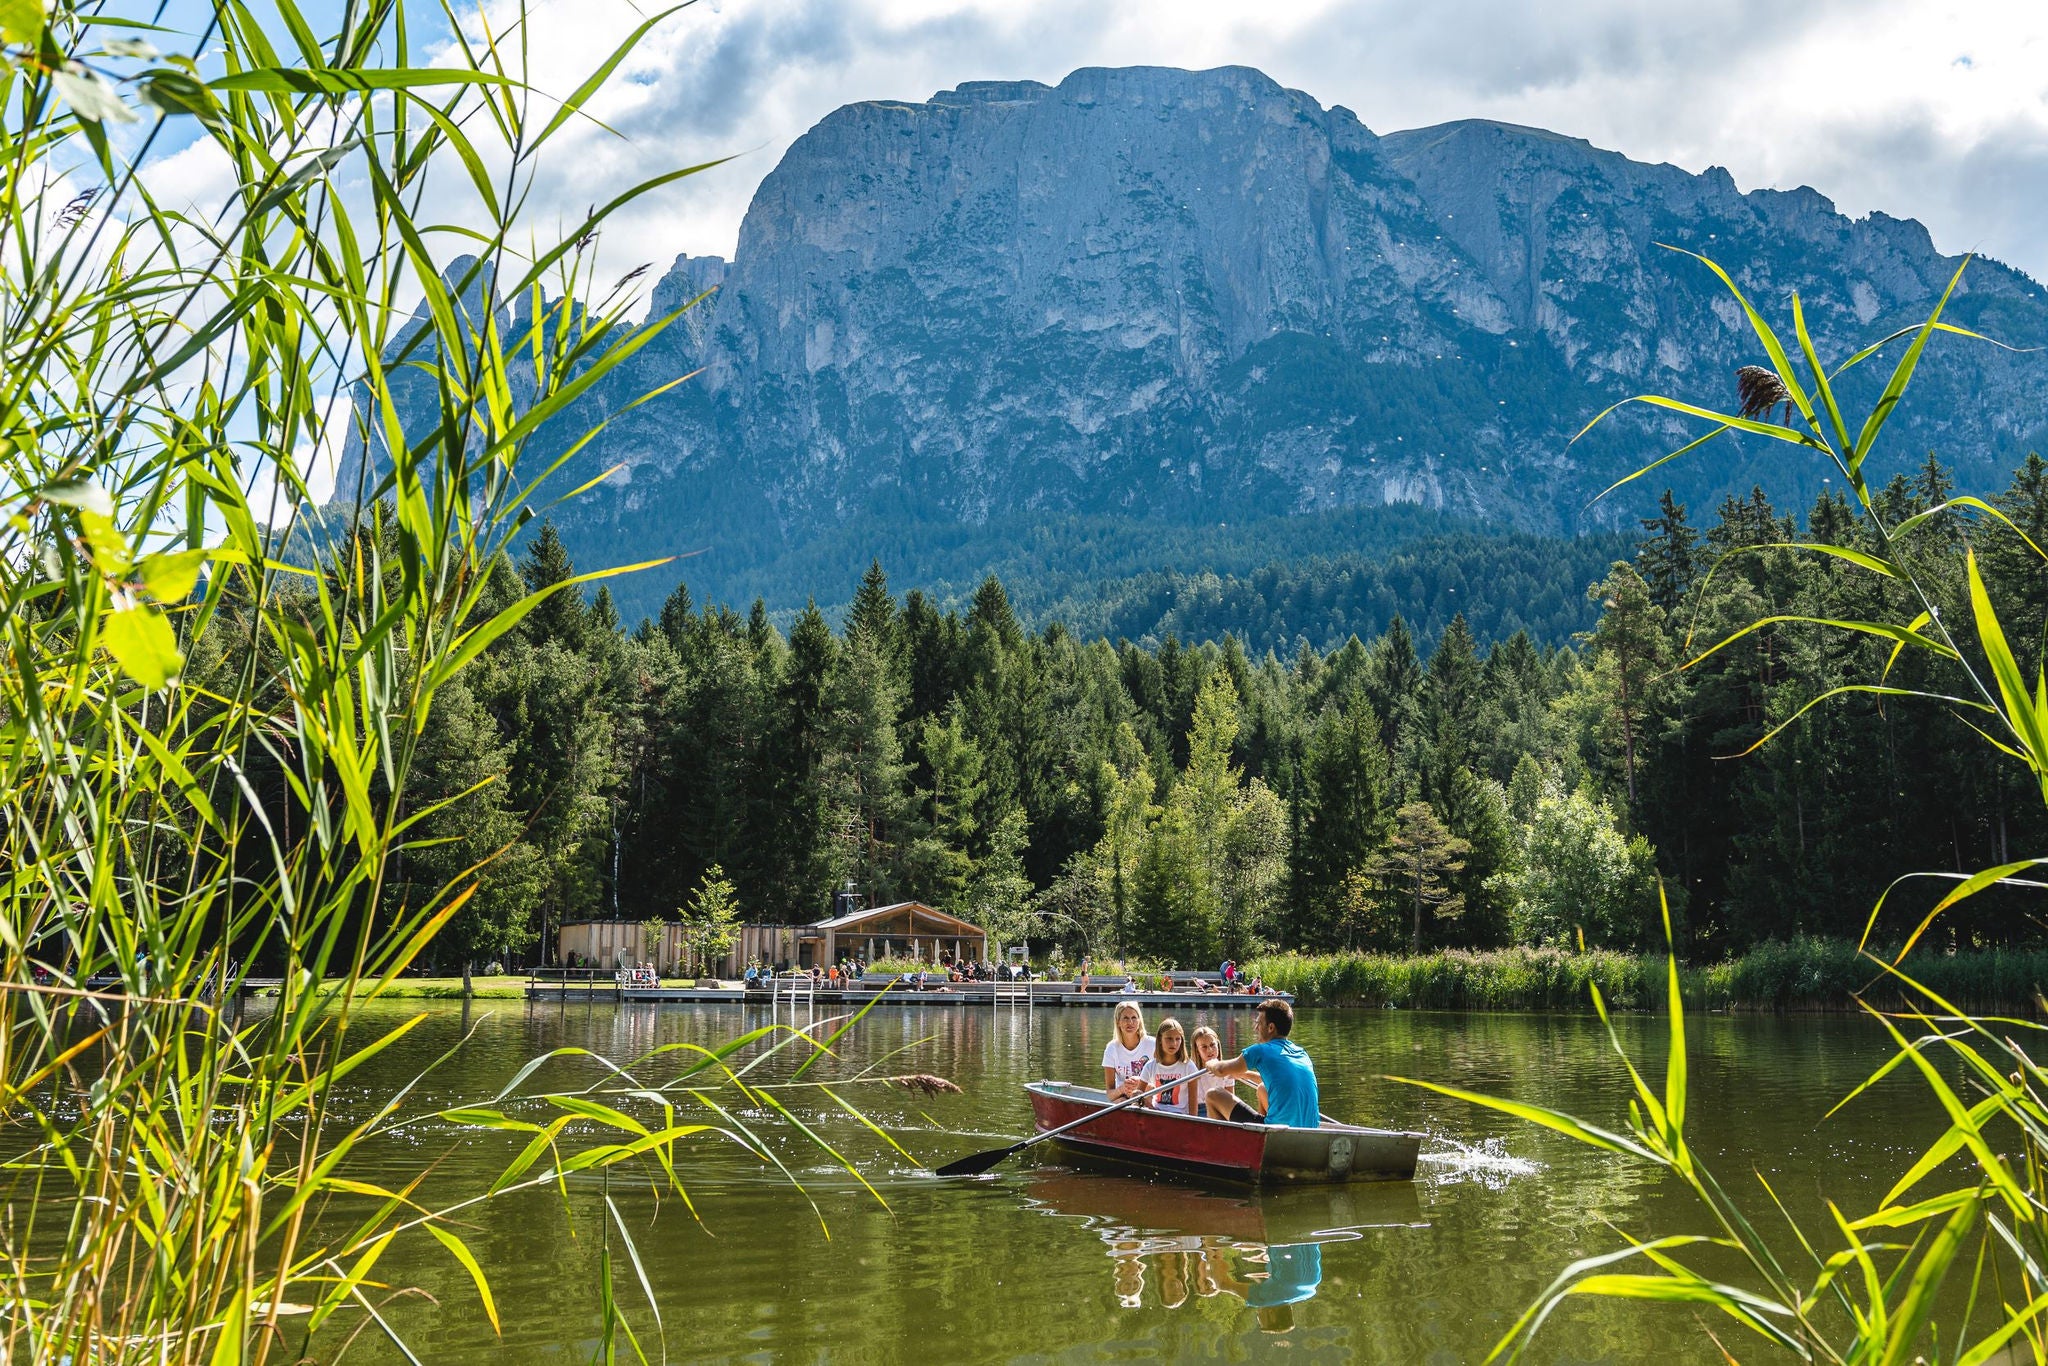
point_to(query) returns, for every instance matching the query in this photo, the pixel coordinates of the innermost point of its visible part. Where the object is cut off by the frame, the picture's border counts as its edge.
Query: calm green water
(1048, 1263)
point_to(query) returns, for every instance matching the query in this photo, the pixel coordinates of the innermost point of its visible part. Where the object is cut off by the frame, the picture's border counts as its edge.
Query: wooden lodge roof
(944, 922)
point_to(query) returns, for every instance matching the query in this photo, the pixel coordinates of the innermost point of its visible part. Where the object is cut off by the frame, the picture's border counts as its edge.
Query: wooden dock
(788, 991)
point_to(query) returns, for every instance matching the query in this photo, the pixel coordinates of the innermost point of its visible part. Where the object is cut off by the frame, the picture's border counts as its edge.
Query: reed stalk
(1951, 1265)
(215, 689)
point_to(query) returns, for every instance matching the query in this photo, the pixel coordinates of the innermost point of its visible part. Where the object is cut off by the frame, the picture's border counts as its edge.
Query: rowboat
(1248, 1154)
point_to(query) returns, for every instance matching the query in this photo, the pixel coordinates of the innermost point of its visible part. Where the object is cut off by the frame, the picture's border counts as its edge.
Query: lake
(1046, 1262)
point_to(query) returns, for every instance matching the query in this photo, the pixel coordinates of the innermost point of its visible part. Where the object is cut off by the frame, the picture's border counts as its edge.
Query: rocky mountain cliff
(1198, 296)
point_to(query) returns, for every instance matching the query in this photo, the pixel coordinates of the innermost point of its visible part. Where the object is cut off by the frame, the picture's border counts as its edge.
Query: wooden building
(906, 929)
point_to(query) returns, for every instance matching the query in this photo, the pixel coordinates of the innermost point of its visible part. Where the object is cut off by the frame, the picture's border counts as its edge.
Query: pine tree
(1344, 820)
(1393, 684)
(789, 812)
(1476, 811)
(863, 780)
(461, 760)
(999, 894)
(1630, 645)
(604, 616)
(872, 617)
(1419, 867)
(938, 863)
(1451, 708)
(561, 615)
(1168, 882)
(992, 609)
(675, 617)
(1934, 483)
(1127, 814)
(1667, 560)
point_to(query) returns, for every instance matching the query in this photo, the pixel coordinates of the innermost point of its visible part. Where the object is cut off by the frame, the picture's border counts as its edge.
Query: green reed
(215, 692)
(1951, 1265)
(1795, 974)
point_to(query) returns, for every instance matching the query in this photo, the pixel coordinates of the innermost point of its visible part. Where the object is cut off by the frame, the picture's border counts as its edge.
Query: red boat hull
(1246, 1153)
(1157, 1138)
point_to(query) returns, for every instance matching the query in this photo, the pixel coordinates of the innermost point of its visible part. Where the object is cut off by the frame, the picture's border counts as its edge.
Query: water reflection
(1171, 1246)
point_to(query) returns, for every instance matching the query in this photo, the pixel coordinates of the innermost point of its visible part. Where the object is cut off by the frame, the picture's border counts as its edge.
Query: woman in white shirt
(1170, 1062)
(1128, 1054)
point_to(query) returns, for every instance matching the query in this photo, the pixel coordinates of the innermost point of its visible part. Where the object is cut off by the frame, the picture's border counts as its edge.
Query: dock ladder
(793, 990)
(1013, 993)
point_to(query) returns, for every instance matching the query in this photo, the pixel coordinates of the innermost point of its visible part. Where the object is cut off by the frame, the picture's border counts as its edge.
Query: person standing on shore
(1292, 1098)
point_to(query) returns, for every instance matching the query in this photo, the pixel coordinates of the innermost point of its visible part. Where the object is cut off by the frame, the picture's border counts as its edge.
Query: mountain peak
(1153, 293)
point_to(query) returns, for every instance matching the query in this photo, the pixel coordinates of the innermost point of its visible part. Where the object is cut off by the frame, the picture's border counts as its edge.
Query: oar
(981, 1162)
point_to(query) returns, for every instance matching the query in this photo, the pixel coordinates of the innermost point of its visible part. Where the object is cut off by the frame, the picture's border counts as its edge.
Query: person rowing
(1289, 1077)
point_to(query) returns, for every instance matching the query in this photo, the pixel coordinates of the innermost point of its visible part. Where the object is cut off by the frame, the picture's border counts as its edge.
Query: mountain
(1182, 298)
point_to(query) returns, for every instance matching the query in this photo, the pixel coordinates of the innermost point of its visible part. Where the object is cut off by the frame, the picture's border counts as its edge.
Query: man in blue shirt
(1288, 1075)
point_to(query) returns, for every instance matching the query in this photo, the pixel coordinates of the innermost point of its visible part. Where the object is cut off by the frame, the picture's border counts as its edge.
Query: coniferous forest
(1184, 802)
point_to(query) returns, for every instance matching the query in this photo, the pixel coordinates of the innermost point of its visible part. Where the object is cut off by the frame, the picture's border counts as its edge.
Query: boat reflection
(1172, 1245)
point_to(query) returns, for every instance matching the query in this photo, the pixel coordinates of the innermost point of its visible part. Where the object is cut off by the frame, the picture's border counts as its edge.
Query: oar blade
(976, 1163)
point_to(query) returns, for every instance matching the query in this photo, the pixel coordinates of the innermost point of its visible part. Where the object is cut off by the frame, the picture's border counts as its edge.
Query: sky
(1931, 110)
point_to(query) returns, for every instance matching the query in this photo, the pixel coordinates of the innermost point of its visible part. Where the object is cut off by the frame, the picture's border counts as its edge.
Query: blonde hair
(1204, 1033)
(1169, 1025)
(1118, 1018)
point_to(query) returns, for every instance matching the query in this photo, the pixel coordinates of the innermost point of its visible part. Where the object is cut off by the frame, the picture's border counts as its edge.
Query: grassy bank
(1803, 974)
(450, 989)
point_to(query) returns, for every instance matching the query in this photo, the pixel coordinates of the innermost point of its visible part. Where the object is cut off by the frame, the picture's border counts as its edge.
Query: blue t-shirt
(1290, 1078)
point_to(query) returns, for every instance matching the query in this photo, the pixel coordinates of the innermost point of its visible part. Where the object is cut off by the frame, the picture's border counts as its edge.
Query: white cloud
(1931, 110)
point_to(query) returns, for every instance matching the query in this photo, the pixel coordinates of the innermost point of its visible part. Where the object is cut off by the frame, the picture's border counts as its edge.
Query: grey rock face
(1162, 293)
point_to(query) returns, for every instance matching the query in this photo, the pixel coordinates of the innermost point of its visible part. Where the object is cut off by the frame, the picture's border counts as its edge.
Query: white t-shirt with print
(1127, 1062)
(1158, 1074)
(1206, 1083)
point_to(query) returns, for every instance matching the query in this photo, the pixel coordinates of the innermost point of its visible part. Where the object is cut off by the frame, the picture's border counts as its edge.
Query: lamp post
(1087, 940)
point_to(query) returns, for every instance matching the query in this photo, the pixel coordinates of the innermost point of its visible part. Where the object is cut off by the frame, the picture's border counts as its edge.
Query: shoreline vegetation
(1792, 976)
(1796, 976)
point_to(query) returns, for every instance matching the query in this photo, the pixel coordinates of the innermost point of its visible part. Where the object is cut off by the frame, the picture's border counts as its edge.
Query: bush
(1796, 974)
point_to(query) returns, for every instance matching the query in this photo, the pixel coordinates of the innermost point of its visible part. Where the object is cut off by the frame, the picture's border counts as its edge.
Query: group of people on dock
(1189, 1074)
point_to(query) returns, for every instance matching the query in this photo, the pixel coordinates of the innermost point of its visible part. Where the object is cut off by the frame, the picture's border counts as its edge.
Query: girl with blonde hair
(1127, 1055)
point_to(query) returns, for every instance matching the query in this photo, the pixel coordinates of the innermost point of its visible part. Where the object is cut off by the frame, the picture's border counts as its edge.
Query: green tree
(1343, 815)
(1418, 868)
(1579, 873)
(1254, 875)
(1451, 707)
(872, 617)
(999, 895)
(1167, 885)
(1127, 817)
(939, 862)
(458, 787)
(1629, 649)
(1207, 792)
(710, 922)
(1668, 559)
(863, 779)
(561, 616)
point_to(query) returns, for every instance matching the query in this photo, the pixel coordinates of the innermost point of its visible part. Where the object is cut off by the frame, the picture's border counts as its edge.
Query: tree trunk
(1416, 945)
(468, 990)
